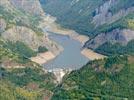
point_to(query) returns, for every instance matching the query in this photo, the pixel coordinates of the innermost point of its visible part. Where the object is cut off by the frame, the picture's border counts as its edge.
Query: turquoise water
(70, 57)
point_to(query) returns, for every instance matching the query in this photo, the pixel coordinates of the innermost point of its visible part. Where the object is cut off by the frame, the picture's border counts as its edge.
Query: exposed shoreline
(90, 54)
(55, 28)
(51, 26)
(42, 58)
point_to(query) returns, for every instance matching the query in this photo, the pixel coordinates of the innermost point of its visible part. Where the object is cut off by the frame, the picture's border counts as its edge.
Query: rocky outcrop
(26, 35)
(2, 25)
(6, 3)
(103, 14)
(26, 27)
(23, 34)
(115, 36)
(74, 2)
(30, 6)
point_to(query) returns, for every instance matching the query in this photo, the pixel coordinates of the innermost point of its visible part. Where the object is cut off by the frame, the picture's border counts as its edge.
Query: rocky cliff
(30, 6)
(28, 36)
(2, 25)
(115, 36)
(104, 15)
(20, 21)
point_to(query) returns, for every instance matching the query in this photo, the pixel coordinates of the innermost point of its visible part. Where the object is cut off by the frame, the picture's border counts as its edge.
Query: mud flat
(42, 58)
(82, 38)
(55, 28)
(90, 54)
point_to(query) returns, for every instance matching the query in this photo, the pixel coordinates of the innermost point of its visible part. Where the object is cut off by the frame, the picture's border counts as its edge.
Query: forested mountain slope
(85, 16)
(109, 79)
(20, 38)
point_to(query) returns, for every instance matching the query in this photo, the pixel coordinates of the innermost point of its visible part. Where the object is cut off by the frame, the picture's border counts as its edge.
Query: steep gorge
(108, 23)
(102, 20)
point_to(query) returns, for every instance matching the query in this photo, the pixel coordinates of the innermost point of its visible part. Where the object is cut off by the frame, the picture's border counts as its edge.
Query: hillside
(109, 79)
(19, 77)
(18, 24)
(21, 38)
(85, 16)
(105, 33)
(29, 83)
(15, 26)
(104, 21)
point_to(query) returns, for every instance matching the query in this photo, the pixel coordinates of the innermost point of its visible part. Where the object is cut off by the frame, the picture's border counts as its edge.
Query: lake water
(70, 57)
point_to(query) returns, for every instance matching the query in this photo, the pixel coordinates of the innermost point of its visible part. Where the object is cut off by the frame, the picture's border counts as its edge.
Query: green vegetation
(21, 18)
(131, 23)
(7, 53)
(68, 15)
(18, 52)
(122, 5)
(116, 49)
(23, 76)
(124, 22)
(29, 82)
(110, 62)
(20, 48)
(25, 84)
(42, 49)
(9, 92)
(5, 14)
(108, 79)
(80, 15)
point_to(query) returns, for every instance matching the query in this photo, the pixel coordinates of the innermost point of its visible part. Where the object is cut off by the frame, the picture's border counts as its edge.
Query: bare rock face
(116, 36)
(30, 38)
(101, 13)
(2, 25)
(30, 6)
(104, 16)
(22, 34)
(4, 2)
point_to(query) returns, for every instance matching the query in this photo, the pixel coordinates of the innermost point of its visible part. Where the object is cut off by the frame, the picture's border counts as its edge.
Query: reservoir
(70, 57)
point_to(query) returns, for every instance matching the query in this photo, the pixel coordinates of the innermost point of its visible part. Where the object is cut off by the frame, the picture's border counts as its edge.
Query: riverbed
(70, 57)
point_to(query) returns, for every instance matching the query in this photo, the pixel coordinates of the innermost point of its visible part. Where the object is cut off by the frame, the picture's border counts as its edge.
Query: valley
(71, 46)
(66, 49)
